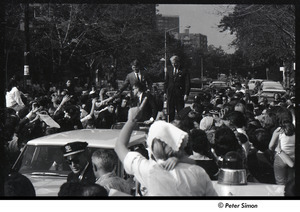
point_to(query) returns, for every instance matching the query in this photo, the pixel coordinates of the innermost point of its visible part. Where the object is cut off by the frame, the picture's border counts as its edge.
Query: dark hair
(135, 63)
(12, 83)
(200, 143)
(23, 112)
(270, 121)
(139, 86)
(250, 107)
(254, 99)
(72, 110)
(225, 141)
(263, 138)
(285, 121)
(94, 190)
(70, 189)
(11, 122)
(17, 184)
(237, 119)
(219, 101)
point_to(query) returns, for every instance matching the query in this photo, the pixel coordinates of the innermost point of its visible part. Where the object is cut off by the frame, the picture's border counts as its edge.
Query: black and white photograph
(148, 101)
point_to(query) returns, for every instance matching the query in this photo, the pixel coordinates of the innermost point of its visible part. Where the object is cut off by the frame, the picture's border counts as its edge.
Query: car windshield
(45, 160)
(42, 160)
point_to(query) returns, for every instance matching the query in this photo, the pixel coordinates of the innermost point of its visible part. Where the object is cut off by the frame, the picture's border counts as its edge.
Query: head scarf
(167, 133)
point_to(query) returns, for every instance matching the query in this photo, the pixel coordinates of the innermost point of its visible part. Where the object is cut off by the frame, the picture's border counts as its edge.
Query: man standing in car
(82, 170)
(136, 75)
(177, 87)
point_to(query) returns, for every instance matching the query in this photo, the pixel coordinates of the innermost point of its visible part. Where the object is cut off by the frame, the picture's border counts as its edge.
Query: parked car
(39, 155)
(159, 85)
(251, 84)
(218, 85)
(269, 89)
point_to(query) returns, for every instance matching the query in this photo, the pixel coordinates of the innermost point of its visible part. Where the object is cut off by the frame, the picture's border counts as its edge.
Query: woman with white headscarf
(165, 146)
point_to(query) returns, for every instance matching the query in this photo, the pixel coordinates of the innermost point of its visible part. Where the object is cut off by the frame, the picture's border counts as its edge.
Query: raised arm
(63, 101)
(122, 142)
(93, 107)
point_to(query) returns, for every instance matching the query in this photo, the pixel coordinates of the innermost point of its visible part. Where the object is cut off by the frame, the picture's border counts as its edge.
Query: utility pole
(201, 69)
(165, 65)
(27, 80)
(267, 73)
(3, 76)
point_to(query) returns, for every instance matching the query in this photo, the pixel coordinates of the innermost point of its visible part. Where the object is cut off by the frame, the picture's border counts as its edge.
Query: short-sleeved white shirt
(287, 144)
(183, 180)
(13, 97)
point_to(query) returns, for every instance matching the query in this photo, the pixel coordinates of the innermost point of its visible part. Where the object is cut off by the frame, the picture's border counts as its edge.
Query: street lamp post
(26, 49)
(201, 69)
(165, 68)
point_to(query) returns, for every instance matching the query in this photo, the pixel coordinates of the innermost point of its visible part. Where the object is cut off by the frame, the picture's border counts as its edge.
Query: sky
(202, 18)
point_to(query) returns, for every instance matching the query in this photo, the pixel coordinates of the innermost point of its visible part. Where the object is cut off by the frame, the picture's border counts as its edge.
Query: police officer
(75, 155)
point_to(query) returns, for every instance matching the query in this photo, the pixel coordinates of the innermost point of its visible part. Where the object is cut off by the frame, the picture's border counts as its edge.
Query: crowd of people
(186, 145)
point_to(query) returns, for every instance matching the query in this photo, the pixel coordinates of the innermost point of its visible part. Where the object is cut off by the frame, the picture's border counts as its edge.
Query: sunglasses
(74, 160)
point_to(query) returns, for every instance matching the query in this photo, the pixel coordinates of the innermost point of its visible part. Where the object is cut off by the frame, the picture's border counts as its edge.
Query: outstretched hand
(134, 113)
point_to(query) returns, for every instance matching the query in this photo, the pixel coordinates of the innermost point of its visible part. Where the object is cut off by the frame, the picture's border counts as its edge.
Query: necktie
(137, 76)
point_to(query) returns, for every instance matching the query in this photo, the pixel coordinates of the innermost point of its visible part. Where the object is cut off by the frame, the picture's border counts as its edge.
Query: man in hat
(82, 170)
(177, 87)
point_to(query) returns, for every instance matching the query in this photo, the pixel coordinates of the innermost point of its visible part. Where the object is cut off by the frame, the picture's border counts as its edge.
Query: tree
(14, 39)
(215, 61)
(71, 39)
(264, 33)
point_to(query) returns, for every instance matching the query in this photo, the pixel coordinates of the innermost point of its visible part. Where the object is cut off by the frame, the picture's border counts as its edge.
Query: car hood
(45, 185)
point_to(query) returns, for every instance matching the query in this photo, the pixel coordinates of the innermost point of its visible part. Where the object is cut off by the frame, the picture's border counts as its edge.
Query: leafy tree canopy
(262, 31)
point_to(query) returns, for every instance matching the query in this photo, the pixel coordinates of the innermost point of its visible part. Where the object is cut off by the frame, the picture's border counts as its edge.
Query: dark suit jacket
(105, 120)
(131, 79)
(88, 176)
(150, 109)
(177, 85)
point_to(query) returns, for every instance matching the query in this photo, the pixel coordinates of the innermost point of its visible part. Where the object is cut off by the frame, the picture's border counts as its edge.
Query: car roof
(254, 80)
(104, 138)
(272, 83)
(218, 82)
